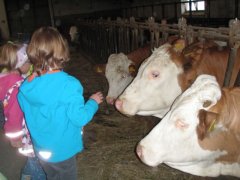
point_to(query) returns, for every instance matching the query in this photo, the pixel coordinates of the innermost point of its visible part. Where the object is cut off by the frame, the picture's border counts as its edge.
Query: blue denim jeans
(64, 170)
(33, 170)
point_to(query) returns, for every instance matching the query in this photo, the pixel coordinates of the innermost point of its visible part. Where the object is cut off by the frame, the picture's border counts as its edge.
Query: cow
(168, 72)
(73, 32)
(121, 69)
(200, 134)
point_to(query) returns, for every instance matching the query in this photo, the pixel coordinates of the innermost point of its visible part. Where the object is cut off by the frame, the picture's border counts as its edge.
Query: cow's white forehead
(161, 52)
(117, 63)
(162, 49)
(116, 59)
(160, 56)
(205, 88)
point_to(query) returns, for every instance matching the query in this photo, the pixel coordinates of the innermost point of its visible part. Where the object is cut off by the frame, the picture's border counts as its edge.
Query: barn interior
(104, 27)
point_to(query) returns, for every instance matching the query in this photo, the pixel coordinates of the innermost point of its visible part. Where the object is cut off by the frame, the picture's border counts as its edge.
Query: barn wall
(25, 16)
(71, 11)
(62, 8)
(139, 8)
(67, 13)
(215, 7)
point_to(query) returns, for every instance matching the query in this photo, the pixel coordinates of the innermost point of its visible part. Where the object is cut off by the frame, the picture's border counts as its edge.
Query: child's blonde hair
(8, 55)
(47, 50)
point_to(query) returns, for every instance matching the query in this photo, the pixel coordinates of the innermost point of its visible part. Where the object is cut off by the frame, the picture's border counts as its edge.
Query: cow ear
(179, 45)
(207, 121)
(191, 57)
(100, 68)
(193, 53)
(132, 70)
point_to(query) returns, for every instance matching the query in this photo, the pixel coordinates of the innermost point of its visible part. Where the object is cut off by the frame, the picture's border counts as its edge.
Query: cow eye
(155, 74)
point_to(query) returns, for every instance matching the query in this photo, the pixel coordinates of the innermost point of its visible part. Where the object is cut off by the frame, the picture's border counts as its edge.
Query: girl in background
(14, 60)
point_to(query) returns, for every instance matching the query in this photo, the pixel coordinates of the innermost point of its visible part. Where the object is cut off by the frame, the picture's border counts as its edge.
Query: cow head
(73, 32)
(160, 79)
(119, 73)
(175, 139)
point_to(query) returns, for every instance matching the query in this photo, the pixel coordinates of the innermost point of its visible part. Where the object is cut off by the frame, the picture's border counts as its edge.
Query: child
(54, 106)
(15, 62)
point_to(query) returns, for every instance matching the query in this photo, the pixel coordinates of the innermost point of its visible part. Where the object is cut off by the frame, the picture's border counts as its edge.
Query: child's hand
(98, 97)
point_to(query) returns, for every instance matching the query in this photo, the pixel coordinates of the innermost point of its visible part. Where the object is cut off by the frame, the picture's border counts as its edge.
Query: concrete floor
(11, 161)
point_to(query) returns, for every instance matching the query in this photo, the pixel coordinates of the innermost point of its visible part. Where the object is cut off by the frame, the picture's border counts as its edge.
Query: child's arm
(13, 125)
(79, 112)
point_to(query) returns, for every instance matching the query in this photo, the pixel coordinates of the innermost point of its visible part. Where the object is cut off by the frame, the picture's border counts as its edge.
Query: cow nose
(118, 104)
(110, 100)
(139, 151)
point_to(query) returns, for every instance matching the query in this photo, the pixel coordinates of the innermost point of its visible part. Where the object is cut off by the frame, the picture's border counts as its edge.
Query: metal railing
(100, 38)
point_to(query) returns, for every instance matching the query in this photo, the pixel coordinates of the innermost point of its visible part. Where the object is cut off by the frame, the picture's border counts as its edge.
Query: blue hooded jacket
(55, 112)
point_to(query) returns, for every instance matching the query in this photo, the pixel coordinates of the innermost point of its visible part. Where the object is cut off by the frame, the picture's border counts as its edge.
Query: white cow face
(155, 86)
(118, 75)
(174, 140)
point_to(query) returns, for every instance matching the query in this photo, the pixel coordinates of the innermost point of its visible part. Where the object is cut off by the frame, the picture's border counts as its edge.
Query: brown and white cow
(168, 72)
(200, 135)
(121, 69)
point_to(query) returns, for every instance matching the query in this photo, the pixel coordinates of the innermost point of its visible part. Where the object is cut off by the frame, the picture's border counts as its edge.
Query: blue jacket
(55, 112)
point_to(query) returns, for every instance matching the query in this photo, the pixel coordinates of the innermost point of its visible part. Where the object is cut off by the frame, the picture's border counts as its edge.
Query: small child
(54, 106)
(15, 62)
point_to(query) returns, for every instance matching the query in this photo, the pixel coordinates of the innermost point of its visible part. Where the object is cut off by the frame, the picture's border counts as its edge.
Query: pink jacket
(13, 125)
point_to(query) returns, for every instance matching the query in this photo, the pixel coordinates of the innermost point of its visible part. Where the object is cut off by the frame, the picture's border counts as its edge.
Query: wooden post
(51, 11)
(234, 29)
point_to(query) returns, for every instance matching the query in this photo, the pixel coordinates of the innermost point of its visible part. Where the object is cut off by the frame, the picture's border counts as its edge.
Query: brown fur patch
(201, 58)
(226, 138)
(206, 121)
(132, 70)
(139, 55)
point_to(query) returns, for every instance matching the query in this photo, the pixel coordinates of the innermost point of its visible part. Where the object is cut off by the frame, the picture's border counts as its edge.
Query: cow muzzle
(139, 151)
(123, 107)
(119, 104)
(146, 157)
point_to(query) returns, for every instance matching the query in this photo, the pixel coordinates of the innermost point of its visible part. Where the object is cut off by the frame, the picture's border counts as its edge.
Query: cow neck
(33, 75)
